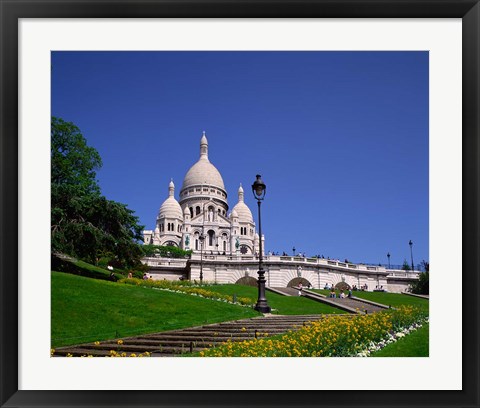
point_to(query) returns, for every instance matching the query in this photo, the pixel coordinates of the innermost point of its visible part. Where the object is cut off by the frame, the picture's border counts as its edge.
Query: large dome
(170, 207)
(203, 172)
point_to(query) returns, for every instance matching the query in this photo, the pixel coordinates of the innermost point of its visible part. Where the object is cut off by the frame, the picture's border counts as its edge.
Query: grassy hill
(85, 310)
(285, 305)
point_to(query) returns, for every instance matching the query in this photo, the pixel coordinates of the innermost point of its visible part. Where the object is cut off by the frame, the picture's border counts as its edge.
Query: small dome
(203, 172)
(170, 207)
(244, 213)
(186, 211)
(233, 214)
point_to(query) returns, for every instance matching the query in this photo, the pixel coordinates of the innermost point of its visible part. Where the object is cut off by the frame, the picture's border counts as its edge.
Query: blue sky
(340, 138)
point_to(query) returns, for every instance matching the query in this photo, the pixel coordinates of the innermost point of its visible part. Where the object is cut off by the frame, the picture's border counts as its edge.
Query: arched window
(191, 212)
(197, 210)
(224, 246)
(211, 237)
(196, 244)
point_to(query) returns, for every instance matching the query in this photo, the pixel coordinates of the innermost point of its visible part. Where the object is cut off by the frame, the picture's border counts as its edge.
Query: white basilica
(225, 244)
(201, 215)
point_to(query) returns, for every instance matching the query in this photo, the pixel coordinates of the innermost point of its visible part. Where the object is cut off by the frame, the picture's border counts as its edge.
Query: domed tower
(203, 194)
(169, 225)
(203, 184)
(246, 226)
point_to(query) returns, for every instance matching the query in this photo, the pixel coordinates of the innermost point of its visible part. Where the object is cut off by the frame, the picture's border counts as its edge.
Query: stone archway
(296, 281)
(247, 281)
(342, 286)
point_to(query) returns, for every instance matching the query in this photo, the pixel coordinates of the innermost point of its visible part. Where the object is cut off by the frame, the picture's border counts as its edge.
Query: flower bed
(180, 287)
(333, 336)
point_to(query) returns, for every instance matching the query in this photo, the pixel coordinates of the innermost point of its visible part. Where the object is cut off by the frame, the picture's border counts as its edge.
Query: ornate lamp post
(388, 256)
(201, 238)
(293, 249)
(259, 189)
(411, 253)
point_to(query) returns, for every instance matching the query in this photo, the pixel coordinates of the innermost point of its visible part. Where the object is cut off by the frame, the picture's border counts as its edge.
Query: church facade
(201, 219)
(225, 243)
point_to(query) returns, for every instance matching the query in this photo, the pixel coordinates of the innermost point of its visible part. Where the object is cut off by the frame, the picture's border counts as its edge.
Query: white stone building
(229, 253)
(203, 213)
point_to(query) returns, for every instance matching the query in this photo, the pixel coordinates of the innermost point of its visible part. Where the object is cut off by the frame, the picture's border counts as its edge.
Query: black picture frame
(12, 10)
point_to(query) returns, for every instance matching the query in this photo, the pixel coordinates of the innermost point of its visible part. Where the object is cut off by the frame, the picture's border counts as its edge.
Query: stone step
(196, 342)
(180, 341)
(357, 304)
(248, 327)
(85, 352)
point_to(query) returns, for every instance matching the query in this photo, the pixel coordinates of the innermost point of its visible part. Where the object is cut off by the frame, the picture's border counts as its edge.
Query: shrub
(186, 287)
(165, 251)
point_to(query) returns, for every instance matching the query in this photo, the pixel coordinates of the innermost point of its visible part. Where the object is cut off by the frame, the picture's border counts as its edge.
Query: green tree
(421, 287)
(165, 251)
(406, 266)
(84, 223)
(74, 163)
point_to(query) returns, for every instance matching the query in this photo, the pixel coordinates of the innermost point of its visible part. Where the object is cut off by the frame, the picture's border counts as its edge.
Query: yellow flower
(120, 342)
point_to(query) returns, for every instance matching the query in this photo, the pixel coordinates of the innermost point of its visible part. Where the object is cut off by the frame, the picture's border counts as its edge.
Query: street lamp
(259, 189)
(201, 238)
(411, 253)
(388, 256)
(293, 249)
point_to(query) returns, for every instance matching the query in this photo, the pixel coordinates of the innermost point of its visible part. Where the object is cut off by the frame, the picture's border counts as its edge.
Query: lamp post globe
(388, 256)
(259, 190)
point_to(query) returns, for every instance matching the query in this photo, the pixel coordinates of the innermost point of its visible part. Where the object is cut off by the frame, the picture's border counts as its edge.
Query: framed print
(52, 52)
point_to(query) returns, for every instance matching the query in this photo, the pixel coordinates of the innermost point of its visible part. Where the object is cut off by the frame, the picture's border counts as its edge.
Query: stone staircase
(193, 339)
(357, 304)
(284, 291)
(351, 305)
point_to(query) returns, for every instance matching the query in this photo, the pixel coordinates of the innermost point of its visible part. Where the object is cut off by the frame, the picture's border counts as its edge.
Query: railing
(293, 259)
(403, 274)
(171, 262)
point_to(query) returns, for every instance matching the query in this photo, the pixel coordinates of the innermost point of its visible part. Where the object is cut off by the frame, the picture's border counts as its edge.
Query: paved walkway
(350, 305)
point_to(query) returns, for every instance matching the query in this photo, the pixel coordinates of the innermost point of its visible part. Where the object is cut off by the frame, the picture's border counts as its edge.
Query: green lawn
(285, 305)
(85, 310)
(81, 268)
(389, 299)
(413, 345)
